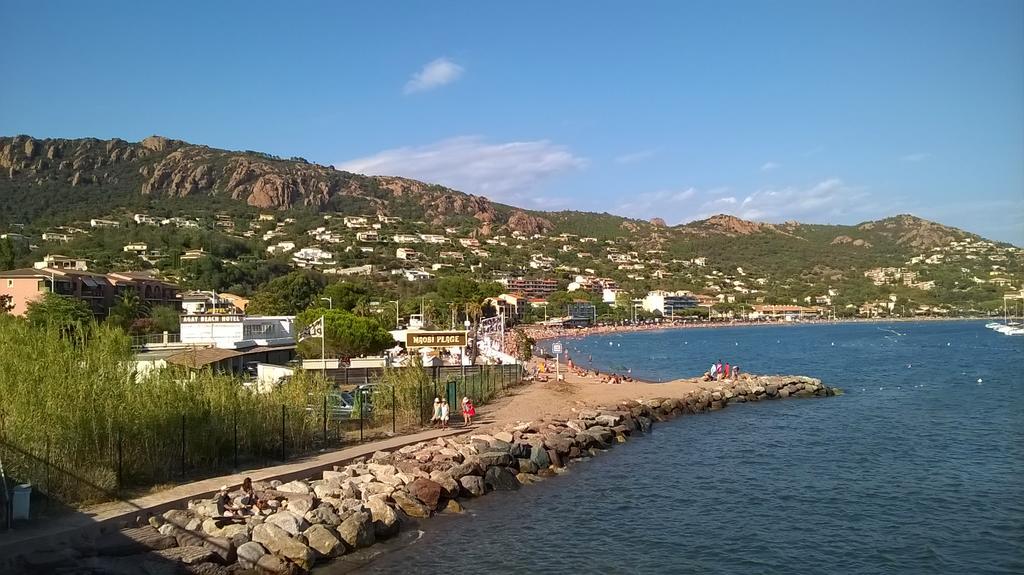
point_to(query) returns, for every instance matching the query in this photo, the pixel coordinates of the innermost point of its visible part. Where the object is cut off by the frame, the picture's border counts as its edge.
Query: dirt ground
(560, 399)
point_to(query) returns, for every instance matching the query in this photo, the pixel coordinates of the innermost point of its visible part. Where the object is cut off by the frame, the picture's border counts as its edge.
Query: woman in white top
(445, 413)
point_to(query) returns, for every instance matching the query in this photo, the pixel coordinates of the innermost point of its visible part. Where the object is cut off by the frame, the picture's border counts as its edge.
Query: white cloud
(434, 75)
(769, 166)
(650, 204)
(915, 157)
(830, 200)
(509, 171)
(634, 157)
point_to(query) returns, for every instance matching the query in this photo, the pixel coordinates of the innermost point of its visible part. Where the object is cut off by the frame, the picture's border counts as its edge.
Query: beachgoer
(718, 370)
(713, 372)
(468, 410)
(735, 372)
(726, 371)
(249, 498)
(436, 418)
(445, 413)
(224, 506)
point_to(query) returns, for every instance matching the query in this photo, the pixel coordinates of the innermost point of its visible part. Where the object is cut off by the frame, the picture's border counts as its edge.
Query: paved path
(117, 513)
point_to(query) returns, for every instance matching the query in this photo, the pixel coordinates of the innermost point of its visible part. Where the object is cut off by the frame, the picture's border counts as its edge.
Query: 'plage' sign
(435, 339)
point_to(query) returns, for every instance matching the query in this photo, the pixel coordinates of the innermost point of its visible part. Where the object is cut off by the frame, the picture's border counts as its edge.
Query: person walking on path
(468, 411)
(435, 419)
(445, 413)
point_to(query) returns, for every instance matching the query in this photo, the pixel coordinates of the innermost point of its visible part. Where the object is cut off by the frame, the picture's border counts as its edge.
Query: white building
(407, 254)
(96, 223)
(313, 257)
(145, 220)
(281, 248)
(368, 236)
(237, 331)
(135, 248)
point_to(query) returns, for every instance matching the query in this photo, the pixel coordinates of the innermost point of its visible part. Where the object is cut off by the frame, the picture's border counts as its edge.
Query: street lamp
(330, 302)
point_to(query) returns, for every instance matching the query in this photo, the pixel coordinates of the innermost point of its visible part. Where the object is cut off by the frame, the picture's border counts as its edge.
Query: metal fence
(191, 447)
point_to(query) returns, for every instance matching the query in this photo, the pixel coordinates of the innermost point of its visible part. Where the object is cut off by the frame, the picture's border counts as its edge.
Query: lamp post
(330, 302)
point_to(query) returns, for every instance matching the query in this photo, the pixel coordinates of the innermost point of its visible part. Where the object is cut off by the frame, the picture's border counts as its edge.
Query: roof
(201, 357)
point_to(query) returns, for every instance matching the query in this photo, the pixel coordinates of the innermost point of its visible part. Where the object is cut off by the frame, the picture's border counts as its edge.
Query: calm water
(917, 469)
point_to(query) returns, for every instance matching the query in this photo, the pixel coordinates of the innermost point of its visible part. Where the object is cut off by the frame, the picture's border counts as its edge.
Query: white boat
(1015, 331)
(993, 325)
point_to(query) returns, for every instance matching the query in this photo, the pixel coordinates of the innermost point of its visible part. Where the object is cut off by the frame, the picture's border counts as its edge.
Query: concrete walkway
(118, 513)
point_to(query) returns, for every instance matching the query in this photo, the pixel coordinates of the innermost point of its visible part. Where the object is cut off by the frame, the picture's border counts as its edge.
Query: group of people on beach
(442, 412)
(721, 371)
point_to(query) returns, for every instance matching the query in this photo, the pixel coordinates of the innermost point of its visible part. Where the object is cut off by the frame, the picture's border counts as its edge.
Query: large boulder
(559, 443)
(411, 506)
(357, 531)
(539, 457)
(427, 491)
(608, 420)
(471, 466)
(295, 487)
(249, 553)
(291, 522)
(271, 564)
(277, 540)
(501, 458)
(447, 483)
(323, 515)
(473, 485)
(375, 488)
(501, 479)
(385, 519)
(324, 541)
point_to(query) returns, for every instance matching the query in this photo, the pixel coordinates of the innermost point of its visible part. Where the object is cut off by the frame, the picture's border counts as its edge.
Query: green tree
(287, 295)
(129, 307)
(68, 315)
(347, 335)
(7, 255)
(346, 295)
(165, 318)
(6, 303)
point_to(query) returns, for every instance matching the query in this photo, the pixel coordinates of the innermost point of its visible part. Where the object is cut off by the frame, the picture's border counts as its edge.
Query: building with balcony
(532, 287)
(99, 291)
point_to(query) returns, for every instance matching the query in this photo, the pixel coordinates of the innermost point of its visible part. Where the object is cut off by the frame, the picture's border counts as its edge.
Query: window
(10, 283)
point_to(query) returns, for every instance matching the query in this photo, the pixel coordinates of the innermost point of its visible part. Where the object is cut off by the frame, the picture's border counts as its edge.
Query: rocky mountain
(41, 174)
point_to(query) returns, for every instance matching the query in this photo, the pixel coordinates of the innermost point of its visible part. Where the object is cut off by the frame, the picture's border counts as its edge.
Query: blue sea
(917, 469)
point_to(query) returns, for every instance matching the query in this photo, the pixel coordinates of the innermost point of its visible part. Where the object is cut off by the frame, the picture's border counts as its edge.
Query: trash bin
(20, 501)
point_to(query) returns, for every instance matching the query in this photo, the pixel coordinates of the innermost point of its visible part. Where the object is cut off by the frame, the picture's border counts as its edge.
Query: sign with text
(556, 348)
(435, 339)
(212, 318)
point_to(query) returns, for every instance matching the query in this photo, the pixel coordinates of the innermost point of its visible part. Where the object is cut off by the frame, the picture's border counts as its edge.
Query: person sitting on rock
(249, 498)
(225, 508)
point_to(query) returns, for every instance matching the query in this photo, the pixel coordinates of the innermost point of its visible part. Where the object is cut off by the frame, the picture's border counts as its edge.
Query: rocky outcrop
(524, 223)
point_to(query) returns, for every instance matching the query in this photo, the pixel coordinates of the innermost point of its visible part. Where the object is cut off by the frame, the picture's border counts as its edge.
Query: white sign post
(556, 348)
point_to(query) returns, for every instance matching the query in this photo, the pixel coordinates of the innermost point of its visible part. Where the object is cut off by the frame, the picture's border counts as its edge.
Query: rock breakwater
(372, 499)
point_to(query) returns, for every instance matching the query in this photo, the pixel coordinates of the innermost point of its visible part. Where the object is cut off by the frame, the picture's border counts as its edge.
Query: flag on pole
(313, 330)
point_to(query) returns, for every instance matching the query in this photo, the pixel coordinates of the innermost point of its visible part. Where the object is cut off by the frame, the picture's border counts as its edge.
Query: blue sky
(821, 111)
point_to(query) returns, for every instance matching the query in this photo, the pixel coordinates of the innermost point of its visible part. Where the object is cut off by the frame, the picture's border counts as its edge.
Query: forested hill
(242, 203)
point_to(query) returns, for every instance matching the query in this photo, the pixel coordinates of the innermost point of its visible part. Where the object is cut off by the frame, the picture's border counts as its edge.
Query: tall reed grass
(77, 421)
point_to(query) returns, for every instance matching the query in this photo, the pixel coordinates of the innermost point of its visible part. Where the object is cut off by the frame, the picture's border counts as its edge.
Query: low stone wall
(356, 505)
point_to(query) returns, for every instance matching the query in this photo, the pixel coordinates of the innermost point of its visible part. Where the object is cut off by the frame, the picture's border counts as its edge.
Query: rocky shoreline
(368, 500)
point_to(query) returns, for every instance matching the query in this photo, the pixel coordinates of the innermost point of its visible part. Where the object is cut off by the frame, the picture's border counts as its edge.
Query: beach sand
(560, 399)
